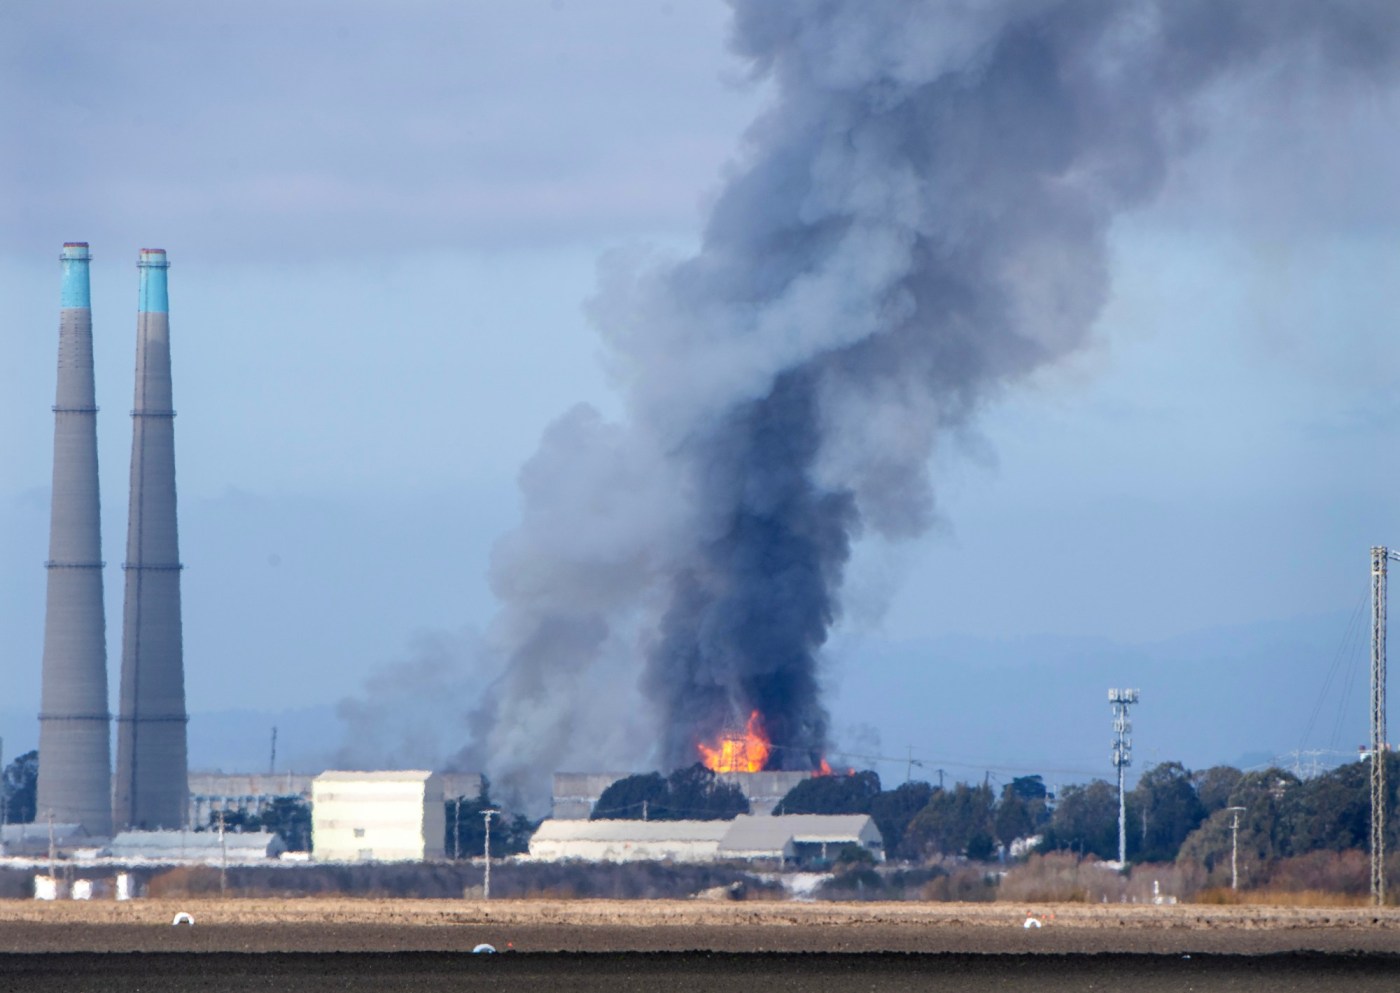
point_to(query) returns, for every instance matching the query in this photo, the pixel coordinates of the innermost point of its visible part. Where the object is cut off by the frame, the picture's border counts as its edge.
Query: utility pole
(1122, 758)
(4, 798)
(486, 882)
(1235, 848)
(1380, 557)
(223, 857)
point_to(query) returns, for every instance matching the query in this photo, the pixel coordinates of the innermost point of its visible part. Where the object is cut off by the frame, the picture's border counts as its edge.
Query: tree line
(1172, 813)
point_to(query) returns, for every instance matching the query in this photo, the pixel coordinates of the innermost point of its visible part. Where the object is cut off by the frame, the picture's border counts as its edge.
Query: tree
(1214, 786)
(631, 798)
(232, 820)
(289, 817)
(1166, 803)
(693, 793)
(1085, 820)
(1332, 811)
(954, 822)
(465, 831)
(894, 809)
(852, 794)
(1027, 788)
(21, 782)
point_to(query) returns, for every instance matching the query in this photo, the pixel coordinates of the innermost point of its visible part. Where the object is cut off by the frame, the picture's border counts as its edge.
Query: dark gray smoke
(918, 221)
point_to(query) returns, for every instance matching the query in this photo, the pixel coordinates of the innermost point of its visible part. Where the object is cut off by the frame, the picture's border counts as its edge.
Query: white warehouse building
(794, 838)
(628, 841)
(377, 817)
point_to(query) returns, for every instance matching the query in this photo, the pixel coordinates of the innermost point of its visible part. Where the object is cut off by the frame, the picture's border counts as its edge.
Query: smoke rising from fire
(917, 222)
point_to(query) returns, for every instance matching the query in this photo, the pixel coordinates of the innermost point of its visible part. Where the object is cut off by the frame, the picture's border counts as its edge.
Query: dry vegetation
(684, 913)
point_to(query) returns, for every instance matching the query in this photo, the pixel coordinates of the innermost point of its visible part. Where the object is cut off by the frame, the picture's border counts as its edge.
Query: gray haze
(918, 221)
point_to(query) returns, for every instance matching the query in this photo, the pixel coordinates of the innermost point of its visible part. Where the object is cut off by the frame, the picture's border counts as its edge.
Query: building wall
(246, 792)
(377, 817)
(765, 790)
(619, 850)
(577, 793)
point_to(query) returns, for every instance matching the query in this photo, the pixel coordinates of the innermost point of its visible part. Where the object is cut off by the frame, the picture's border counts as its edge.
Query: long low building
(796, 838)
(800, 837)
(196, 846)
(628, 841)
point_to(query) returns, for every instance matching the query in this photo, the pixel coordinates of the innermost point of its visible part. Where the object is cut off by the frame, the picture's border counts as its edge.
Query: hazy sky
(384, 226)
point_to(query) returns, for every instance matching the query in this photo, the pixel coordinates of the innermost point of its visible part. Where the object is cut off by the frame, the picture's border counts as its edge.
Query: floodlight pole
(1235, 848)
(1122, 758)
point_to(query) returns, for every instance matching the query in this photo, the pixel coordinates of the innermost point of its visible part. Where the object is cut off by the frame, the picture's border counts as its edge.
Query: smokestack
(152, 777)
(75, 771)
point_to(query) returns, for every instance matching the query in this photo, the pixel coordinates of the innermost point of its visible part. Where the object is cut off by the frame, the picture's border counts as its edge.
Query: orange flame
(824, 769)
(739, 752)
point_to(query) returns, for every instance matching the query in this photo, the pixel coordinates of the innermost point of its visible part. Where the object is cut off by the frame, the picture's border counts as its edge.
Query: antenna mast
(1122, 758)
(1380, 557)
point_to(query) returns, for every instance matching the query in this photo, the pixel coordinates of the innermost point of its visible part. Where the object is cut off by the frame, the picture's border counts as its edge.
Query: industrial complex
(153, 809)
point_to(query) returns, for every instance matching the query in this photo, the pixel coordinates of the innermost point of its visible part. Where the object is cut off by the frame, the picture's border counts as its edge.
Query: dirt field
(691, 945)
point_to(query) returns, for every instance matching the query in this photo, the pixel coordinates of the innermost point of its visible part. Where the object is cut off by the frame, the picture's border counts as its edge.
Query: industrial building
(212, 847)
(795, 839)
(243, 793)
(764, 790)
(801, 838)
(628, 841)
(576, 793)
(36, 840)
(377, 817)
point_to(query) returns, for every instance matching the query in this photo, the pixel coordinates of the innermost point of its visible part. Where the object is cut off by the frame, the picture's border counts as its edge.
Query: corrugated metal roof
(679, 831)
(748, 833)
(13, 833)
(191, 844)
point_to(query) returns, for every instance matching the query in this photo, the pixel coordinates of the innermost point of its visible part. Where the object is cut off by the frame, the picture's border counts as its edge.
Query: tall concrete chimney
(75, 768)
(151, 788)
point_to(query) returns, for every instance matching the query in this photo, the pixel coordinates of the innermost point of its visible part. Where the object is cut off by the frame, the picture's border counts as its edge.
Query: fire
(745, 751)
(824, 769)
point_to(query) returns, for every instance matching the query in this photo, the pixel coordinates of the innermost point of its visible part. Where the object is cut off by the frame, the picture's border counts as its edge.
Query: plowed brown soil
(689, 945)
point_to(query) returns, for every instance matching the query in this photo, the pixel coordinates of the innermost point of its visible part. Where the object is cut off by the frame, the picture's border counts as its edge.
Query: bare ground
(318, 944)
(319, 925)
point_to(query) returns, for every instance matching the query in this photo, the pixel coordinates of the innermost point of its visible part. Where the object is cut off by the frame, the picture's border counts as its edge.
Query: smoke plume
(917, 222)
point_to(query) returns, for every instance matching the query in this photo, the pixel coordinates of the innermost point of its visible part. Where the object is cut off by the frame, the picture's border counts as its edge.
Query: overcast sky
(384, 227)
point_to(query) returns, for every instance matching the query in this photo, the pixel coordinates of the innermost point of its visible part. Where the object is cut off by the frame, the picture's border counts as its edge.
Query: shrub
(962, 884)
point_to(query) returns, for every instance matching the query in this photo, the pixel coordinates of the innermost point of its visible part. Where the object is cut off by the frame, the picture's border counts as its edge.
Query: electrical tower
(1122, 758)
(1380, 557)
